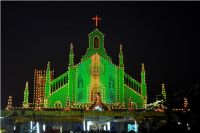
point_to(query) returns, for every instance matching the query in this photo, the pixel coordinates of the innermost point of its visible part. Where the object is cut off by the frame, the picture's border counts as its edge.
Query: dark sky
(163, 35)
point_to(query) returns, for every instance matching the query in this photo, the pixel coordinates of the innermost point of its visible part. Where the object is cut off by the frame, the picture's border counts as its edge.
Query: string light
(163, 91)
(143, 86)
(26, 95)
(9, 104)
(64, 90)
(185, 104)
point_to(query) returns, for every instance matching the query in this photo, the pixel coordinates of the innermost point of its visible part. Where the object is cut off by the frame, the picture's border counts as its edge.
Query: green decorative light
(48, 80)
(121, 60)
(26, 95)
(92, 50)
(77, 87)
(71, 56)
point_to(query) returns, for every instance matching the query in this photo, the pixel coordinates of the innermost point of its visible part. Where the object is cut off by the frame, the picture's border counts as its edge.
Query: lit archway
(58, 104)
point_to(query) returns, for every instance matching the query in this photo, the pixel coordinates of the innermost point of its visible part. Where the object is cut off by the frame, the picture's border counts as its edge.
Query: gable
(96, 45)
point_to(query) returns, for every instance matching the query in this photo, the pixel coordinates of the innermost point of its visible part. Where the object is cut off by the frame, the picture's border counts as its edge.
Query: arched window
(96, 42)
(80, 83)
(111, 83)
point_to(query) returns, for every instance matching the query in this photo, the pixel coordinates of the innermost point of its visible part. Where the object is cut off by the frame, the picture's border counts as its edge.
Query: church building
(94, 83)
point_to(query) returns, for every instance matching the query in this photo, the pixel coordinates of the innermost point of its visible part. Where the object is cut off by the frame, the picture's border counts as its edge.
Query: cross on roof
(96, 19)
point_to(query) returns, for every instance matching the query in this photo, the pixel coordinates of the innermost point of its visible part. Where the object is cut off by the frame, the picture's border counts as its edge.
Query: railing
(59, 82)
(132, 83)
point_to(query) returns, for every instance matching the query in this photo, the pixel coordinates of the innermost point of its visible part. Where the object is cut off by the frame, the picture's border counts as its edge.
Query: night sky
(163, 35)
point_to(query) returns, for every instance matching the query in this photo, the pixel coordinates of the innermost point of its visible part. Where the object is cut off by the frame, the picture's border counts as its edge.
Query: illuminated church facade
(94, 82)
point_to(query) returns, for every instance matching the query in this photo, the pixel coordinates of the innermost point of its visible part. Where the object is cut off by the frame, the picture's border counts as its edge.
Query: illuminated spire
(142, 66)
(26, 95)
(143, 79)
(143, 85)
(71, 55)
(121, 58)
(48, 80)
(163, 91)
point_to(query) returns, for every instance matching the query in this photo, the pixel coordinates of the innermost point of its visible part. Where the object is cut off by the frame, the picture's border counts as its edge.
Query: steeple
(163, 91)
(121, 57)
(143, 84)
(120, 96)
(26, 95)
(48, 80)
(71, 56)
